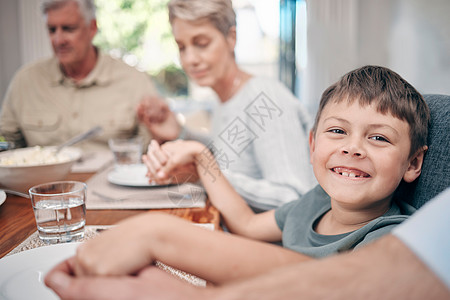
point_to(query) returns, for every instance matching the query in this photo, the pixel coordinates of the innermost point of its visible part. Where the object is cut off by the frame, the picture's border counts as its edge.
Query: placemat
(105, 195)
(33, 241)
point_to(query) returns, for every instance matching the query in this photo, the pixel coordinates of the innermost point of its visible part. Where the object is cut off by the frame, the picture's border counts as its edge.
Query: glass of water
(126, 151)
(60, 210)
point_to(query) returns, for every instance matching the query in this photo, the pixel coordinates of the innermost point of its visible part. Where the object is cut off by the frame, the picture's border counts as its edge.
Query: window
(138, 31)
(292, 43)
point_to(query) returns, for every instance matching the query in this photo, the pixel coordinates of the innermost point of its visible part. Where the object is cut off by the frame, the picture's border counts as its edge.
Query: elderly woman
(259, 129)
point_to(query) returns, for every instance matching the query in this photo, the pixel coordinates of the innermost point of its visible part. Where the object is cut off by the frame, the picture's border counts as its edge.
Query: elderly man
(80, 87)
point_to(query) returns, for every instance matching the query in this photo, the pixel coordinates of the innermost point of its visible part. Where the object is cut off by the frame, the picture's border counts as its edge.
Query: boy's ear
(415, 165)
(312, 145)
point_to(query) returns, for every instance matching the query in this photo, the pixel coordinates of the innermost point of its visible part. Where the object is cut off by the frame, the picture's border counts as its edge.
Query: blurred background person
(259, 130)
(54, 99)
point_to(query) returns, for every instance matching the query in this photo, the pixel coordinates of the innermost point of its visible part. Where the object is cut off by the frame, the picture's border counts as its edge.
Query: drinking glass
(126, 151)
(60, 210)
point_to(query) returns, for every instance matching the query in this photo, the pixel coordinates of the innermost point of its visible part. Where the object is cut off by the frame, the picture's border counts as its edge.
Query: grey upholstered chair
(435, 175)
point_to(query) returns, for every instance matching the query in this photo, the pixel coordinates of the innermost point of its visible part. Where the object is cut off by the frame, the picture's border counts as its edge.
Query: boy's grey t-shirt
(297, 220)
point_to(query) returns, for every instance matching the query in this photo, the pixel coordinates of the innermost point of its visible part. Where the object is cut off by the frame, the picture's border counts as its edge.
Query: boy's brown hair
(389, 92)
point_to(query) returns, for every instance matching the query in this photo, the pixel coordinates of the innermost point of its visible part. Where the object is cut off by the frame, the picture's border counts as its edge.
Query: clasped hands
(172, 162)
(117, 264)
(122, 251)
(160, 121)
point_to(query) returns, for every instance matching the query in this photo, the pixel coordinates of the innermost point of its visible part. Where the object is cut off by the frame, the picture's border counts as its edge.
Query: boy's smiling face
(360, 156)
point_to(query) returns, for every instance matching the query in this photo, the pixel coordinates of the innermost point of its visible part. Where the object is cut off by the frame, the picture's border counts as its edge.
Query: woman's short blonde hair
(219, 12)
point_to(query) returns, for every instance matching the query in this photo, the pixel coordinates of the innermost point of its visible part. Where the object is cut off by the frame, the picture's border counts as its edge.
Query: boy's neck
(339, 219)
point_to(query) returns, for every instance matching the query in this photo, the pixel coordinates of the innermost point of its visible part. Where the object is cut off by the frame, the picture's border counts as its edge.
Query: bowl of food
(23, 168)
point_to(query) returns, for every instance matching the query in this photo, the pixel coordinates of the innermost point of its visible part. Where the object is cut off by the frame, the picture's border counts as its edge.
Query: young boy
(369, 135)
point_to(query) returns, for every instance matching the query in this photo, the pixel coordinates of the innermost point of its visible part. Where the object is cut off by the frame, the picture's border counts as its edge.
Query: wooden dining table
(17, 220)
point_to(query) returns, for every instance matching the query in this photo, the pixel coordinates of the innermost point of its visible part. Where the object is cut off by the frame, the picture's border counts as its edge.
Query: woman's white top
(260, 140)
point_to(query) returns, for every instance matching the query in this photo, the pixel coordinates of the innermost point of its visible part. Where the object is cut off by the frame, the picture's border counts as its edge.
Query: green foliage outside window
(138, 31)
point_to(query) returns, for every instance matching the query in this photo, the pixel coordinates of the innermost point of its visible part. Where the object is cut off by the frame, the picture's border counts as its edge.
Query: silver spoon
(88, 134)
(15, 193)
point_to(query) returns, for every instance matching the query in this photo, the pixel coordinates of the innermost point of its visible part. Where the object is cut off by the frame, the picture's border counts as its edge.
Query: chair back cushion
(435, 176)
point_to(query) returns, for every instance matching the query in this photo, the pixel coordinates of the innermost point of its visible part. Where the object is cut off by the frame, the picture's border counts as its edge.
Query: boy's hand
(172, 161)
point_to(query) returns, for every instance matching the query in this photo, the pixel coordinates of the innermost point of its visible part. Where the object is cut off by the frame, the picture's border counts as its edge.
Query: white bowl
(23, 177)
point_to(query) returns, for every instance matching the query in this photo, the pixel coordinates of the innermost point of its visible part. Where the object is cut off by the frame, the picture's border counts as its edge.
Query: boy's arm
(215, 256)
(238, 216)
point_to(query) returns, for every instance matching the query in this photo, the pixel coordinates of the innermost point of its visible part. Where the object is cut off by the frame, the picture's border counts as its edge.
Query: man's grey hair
(87, 7)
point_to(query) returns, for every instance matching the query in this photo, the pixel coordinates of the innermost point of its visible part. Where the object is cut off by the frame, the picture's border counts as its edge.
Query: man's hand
(156, 115)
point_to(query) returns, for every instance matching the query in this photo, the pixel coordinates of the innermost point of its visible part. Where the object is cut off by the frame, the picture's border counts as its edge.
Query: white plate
(22, 275)
(2, 197)
(132, 175)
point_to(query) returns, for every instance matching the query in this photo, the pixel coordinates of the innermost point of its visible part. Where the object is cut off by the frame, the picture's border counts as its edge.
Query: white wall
(412, 37)
(23, 37)
(9, 43)
(33, 31)
(419, 44)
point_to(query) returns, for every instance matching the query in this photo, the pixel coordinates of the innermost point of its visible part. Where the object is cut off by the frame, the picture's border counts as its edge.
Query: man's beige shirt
(43, 107)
